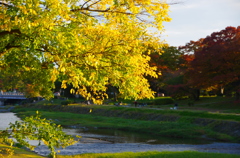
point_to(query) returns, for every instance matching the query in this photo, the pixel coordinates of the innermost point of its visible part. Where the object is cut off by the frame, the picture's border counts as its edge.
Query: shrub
(66, 102)
(163, 101)
(36, 128)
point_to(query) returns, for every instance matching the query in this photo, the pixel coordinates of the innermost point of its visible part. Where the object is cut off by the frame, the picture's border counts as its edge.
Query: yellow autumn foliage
(89, 44)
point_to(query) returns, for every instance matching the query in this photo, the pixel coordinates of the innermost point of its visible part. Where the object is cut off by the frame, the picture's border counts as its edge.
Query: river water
(111, 141)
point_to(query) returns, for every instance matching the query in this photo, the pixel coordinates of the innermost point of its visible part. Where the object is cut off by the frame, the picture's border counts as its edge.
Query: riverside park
(98, 79)
(209, 127)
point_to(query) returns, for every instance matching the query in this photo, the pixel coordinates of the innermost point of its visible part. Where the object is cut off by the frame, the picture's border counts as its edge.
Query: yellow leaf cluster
(86, 44)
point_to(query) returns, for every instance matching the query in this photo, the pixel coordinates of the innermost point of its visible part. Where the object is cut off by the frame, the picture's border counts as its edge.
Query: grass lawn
(154, 154)
(18, 153)
(211, 103)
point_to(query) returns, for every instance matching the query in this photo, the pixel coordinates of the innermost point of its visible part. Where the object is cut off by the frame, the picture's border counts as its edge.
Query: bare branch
(103, 11)
(93, 3)
(85, 3)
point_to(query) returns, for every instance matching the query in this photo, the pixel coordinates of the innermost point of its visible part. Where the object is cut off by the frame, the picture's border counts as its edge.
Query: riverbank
(106, 147)
(6, 109)
(175, 124)
(89, 145)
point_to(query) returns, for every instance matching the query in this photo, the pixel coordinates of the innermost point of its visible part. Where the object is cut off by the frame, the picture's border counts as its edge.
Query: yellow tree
(88, 44)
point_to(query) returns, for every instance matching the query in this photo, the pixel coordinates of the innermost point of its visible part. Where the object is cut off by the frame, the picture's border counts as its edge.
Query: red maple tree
(216, 59)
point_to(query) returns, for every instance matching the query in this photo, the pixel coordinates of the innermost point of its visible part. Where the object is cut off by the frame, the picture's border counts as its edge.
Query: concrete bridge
(11, 96)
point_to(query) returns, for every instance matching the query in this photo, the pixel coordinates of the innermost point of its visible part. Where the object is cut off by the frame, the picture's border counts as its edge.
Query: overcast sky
(195, 19)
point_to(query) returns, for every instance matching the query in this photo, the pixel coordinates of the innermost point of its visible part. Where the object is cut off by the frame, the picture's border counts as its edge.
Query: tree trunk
(196, 94)
(237, 95)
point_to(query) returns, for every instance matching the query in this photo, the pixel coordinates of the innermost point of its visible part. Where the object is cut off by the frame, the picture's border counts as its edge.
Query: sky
(195, 19)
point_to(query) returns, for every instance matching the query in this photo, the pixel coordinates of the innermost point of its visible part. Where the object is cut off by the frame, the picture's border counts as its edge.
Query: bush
(163, 101)
(66, 102)
(36, 128)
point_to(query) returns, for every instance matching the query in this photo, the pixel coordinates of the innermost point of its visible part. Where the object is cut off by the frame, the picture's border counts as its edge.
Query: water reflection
(6, 118)
(116, 136)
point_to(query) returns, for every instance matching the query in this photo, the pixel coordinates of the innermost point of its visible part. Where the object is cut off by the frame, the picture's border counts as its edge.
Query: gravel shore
(88, 145)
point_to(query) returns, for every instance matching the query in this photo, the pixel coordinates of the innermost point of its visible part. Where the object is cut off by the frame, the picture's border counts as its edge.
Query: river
(102, 141)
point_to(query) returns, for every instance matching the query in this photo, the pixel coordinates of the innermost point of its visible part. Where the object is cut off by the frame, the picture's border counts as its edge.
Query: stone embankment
(6, 109)
(231, 128)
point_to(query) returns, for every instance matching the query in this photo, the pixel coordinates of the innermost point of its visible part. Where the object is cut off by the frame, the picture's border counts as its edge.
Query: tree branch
(3, 33)
(6, 5)
(87, 14)
(85, 3)
(96, 10)
(8, 46)
(93, 3)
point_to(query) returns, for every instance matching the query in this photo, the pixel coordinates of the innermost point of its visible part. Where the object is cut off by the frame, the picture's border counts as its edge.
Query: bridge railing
(11, 94)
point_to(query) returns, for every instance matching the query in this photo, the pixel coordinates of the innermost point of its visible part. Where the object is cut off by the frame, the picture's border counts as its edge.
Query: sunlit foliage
(84, 43)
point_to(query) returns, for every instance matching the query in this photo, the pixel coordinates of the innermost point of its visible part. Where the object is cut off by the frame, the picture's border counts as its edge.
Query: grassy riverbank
(171, 129)
(167, 123)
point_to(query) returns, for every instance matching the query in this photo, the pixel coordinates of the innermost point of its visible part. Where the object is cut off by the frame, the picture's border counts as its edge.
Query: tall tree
(176, 80)
(166, 60)
(216, 59)
(89, 43)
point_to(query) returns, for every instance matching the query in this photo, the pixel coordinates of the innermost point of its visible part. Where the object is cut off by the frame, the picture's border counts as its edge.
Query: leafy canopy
(84, 43)
(216, 59)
